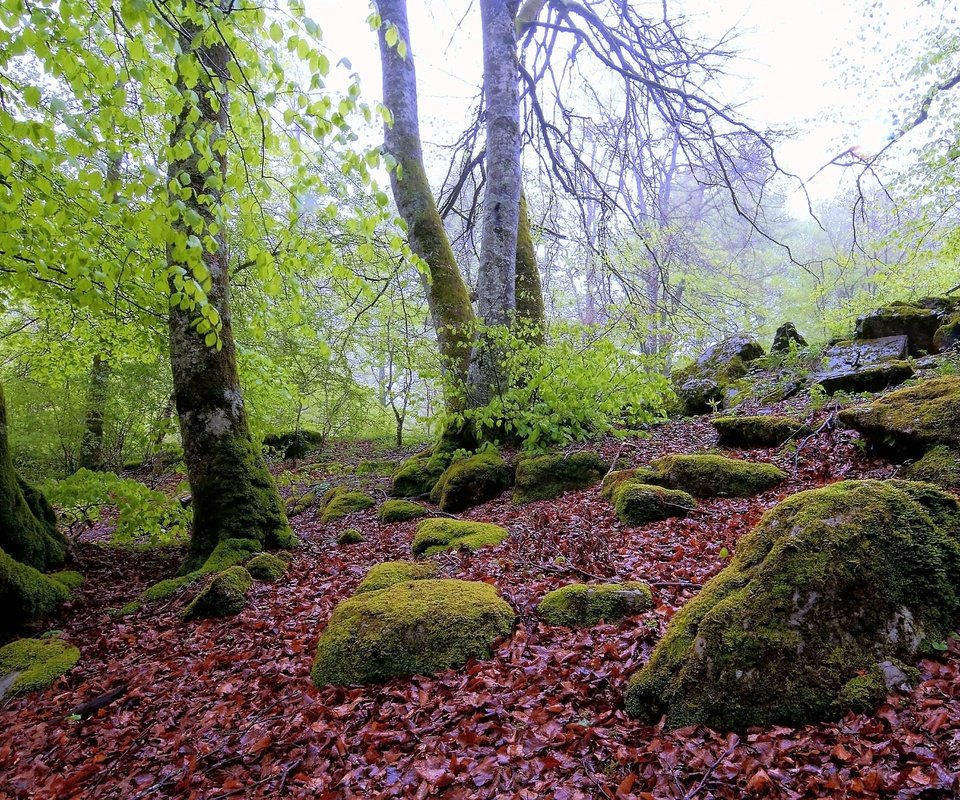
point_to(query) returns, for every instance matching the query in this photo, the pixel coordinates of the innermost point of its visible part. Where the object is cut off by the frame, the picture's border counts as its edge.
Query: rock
(864, 366)
(230, 553)
(785, 335)
(547, 476)
(470, 481)
(700, 396)
(901, 319)
(294, 444)
(418, 474)
(944, 305)
(871, 378)
(727, 357)
(850, 354)
(437, 535)
(340, 501)
(414, 628)
(266, 567)
(27, 665)
(636, 474)
(939, 466)
(713, 476)
(908, 422)
(350, 536)
(380, 576)
(947, 336)
(581, 605)
(831, 584)
(400, 511)
(640, 503)
(766, 431)
(224, 596)
(701, 387)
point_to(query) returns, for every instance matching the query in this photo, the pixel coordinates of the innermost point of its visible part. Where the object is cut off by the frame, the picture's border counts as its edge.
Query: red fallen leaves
(226, 708)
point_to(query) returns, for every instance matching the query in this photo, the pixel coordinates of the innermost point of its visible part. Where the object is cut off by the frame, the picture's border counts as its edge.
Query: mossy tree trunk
(531, 311)
(233, 493)
(91, 445)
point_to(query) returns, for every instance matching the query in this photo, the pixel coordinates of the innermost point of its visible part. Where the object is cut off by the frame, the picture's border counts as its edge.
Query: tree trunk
(496, 276)
(447, 295)
(233, 493)
(91, 446)
(531, 313)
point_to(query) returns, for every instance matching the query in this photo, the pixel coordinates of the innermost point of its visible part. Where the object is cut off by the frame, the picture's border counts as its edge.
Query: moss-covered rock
(349, 536)
(701, 387)
(26, 593)
(230, 553)
(470, 481)
(380, 576)
(832, 583)
(939, 466)
(901, 319)
(418, 474)
(640, 503)
(437, 535)
(411, 628)
(340, 501)
(713, 476)
(908, 422)
(947, 336)
(27, 665)
(266, 567)
(299, 503)
(294, 444)
(868, 378)
(765, 431)
(636, 474)
(168, 587)
(699, 395)
(580, 604)
(224, 596)
(71, 579)
(786, 336)
(547, 476)
(400, 511)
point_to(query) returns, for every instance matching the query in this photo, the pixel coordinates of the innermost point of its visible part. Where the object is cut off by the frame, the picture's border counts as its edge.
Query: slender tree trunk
(531, 313)
(447, 295)
(233, 493)
(91, 446)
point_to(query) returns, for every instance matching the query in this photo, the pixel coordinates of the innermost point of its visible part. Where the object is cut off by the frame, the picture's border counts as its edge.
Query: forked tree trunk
(233, 493)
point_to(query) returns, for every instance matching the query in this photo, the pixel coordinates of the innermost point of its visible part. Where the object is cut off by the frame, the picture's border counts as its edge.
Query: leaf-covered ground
(226, 709)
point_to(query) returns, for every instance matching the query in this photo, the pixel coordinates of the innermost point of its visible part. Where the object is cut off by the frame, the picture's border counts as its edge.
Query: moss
(224, 596)
(418, 627)
(579, 604)
(470, 481)
(26, 593)
(612, 480)
(39, 662)
(437, 535)
(831, 583)
(766, 431)
(713, 476)
(640, 503)
(947, 336)
(230, 553)
(298, 504)
(901, 319)
(266, 567)
(547, 476)
(169, 587)
(350, 536)
(69, 578)
(378, 466)
(939, 466)
(294, 444)
(400, 511)
(530, 310)
(388, 573)
(418, 474)
(908, 422)
(126, 609)
(339, 502)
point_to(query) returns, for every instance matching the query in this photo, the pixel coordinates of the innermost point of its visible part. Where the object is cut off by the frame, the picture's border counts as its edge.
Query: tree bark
(531, 313)
(91, 445)
(233, 493)
(447, 295)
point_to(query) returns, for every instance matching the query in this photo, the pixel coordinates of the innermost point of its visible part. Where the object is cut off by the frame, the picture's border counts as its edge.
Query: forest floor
(225, 708)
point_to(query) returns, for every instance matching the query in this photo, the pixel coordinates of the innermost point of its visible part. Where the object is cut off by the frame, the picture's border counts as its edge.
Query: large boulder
(400, 511)
(870, 365)
(765, 431)
(380, 576)
(947, 336)
(436, 535)
(785, 336)
(700, 395)
(224, 596)
(578, 604)
(418, 474)
(547, 476)
(940, 466)
(902, 319)
(702, 386)
(825, 606)
(294, 444)
(470, 481)
(711, 476)
(728, 357)
(412, 628)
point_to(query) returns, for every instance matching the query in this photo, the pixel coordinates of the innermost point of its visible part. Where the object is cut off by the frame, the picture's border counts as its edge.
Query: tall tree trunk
(496, 289)
(233, 493)
(447, 295)
(91, 446)
(531, 313)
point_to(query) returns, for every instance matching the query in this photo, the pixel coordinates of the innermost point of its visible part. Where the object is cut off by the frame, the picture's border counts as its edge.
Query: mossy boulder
(380, 576)
(939, 466)
(26, 593)
(27, 665)
(470, 481)
(230, 553)
(636, 474)
(702, 386)
(400, 511)
(437, 535)
(785, 337)
(901, 319)
(832, 585)
(713, 476)
(908, 422)
(340, 501)
(418, 474)
(266, 567)
(224, 596)
(700, 395)
(349, 536)
(640, 503)
(579, 604)
(947, 336)
(294, 444)
(67, 577)
(758, 431)
(547, 476)
(868, 378)
(411, 628)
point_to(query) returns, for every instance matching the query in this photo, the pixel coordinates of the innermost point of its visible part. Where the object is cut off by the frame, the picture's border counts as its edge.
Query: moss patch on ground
(224, 596)
(413, 628)
(547, 476)
(340, 501)
(400, 511)
(380, 576)
(579, 604)
(470, 481)
(26, 593)
(758, 431)
(437, 535)
(39, 663)
(640, 503)
(266, 567)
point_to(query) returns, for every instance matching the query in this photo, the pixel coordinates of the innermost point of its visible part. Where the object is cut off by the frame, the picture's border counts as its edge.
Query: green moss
(547, 476)
(612, 480)
(230, 553)
(69, 578)
(830, 584)
(579, 604)
(418, 627)
(266, 567)
(437, 535)
(26, 593)
(400, 511)
(418, 474)
(125, 610)
(339, 502)
(766, 431)
(713, 476)
(530, 310)
(470, 481)
(300, 503)
(388, 573)
(224, 596)
(940, 466)
(947, 336)
(350, 536)
(169, 587)
(640, 503)
(379, 466)
(39, 662)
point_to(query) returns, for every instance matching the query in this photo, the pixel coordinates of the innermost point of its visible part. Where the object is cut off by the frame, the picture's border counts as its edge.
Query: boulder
(947, 336)
(825, 605)
(864, 366)
(413, 628)
(901, 319)
(400, 511)
(340, 501)
(700, 395)
(349, 536)
(640, 503)
(294, 444)
(939, 466)
(224, 596)
(786, 335)
(908, 422)
(27, 665)
(436, 535)
(418, 474)
(380, 576)
(547, 476)
(765, 431)
(581, 605)
(869, 378)
(701, 387)
(728, 357)
(266, 567)
(470, 481)
(712, 476)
